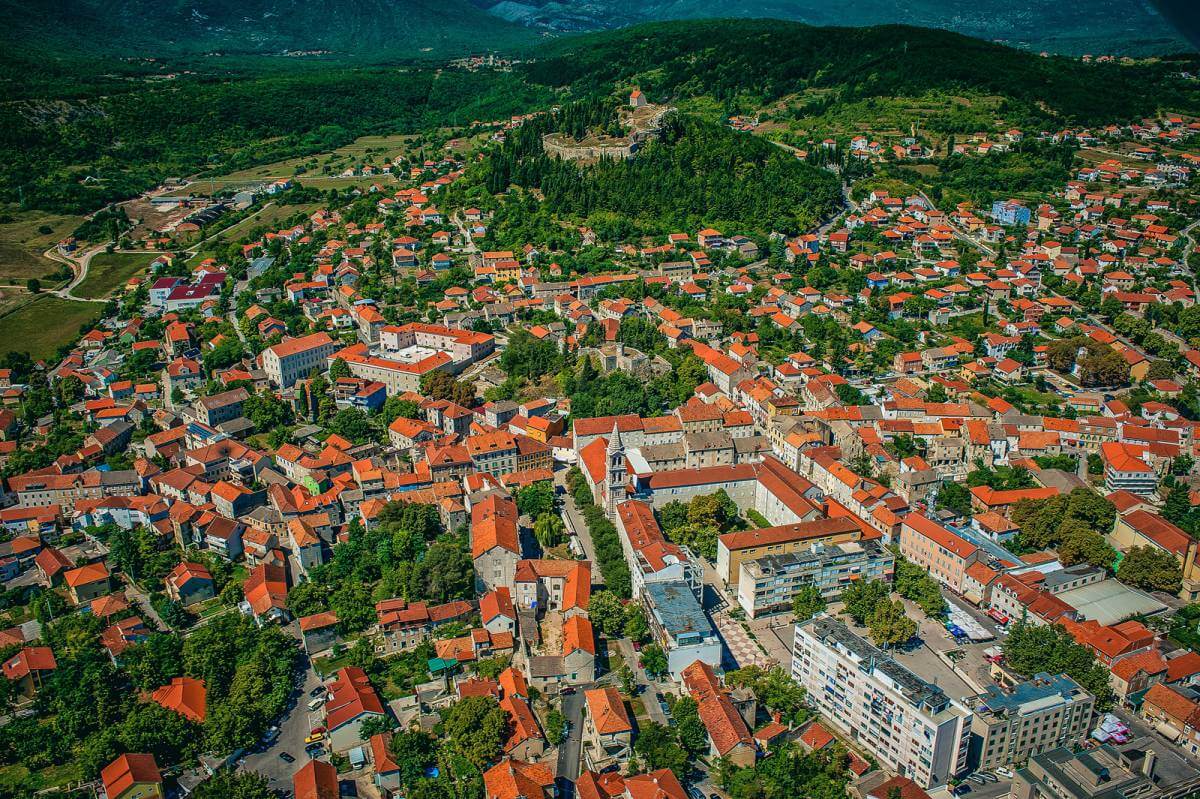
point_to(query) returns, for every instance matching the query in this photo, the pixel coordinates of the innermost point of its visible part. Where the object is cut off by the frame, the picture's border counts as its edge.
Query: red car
(316, 730)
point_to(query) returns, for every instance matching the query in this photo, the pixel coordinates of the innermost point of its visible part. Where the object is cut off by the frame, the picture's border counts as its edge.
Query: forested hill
(365, 29)
(694, 175)
(746, 63)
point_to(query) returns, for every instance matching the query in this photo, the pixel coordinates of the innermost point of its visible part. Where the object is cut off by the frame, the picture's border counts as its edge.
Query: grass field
(108, 271)
(22, 243)
(320, 170)
(42, 326)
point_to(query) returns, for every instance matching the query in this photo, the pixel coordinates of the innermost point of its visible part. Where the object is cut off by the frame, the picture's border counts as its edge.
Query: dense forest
(745, 63)
(76, 134)
(695, 174)
(75, 156)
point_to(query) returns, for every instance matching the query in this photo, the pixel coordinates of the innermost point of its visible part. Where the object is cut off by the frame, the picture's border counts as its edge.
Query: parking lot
(294, 727)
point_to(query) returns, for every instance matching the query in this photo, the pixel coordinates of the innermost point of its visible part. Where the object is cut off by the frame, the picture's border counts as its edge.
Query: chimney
(1148, 764)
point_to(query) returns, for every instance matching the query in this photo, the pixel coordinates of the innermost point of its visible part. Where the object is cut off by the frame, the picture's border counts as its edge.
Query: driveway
(294, 727)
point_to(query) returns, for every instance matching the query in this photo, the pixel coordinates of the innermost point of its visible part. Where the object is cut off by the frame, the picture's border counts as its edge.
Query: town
(427, 489)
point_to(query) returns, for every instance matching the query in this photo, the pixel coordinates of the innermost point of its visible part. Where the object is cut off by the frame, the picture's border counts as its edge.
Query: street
(578, 527)
(294, 727)
(570, 749)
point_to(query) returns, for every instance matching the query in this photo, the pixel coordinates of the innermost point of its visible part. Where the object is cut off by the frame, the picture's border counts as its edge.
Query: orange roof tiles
(184, 695)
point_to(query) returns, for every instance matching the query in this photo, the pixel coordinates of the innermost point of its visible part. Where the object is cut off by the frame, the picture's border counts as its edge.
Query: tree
(628, 680)
(658, 747)
(267, 412)
(230, 784)
(338, 369)
(807, 603)
(1079, 543)
(556, 726)
(889, 625)
(685, 718)
(607, 613)
(861, 599)
(352, 424)
(1151, 569)
(773, 688)
(536, 498)
(549, 530)
(1030, 649)
(636, 627)
(654, 659)
(476, 728)
(33, 285)
(914, 583)
(413, 752)
(395, 407)
(954, 497)
(442, 385)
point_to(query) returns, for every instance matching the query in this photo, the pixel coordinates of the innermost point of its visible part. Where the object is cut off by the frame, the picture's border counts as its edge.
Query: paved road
(139, 598)
(570, 750)
(650, 691)
(80, 267)
(575, 524)
(294, 727)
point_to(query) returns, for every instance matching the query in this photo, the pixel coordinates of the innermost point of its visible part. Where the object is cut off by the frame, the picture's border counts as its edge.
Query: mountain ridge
(381, 29)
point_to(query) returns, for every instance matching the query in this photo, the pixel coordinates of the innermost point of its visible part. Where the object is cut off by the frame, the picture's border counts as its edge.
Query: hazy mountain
(389, 28)
(175, 27)
(1066, 26)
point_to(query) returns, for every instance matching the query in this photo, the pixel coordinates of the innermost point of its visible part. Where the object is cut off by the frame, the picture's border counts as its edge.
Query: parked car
(316, 730)
(316, 736)
(989, 777)
(286, 758)
(320, 689)
(961, 789)
(1004, 772)
(570, 689)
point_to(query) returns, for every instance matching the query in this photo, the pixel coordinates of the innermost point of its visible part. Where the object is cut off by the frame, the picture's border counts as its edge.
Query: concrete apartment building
(908, 724)
(734, 549)
(292, 360)
(1033, 717)
(769, 584)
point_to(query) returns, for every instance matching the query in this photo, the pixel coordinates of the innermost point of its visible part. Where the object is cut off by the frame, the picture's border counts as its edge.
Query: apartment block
(1035, 716)
(906, 723)
(769, 584)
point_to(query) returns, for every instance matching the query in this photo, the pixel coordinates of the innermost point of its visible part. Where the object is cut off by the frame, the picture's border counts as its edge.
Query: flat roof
(677, 609)
(1110, 601)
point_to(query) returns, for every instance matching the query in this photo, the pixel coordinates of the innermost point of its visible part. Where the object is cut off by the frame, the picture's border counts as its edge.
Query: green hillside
(173, 28)
(747, 63)
(77, 134)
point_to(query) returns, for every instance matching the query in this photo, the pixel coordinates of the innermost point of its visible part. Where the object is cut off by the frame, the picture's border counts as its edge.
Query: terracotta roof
(497, 603)
(606, 710)
(1182, 667)
(577, 634)
(819, 528)
(127, 771)
(186, 696)
(661, 784)
(28, 660)
(1173, 703)
(494, 524)
(517, 779)
(352, 697)
(316, 779)
(947, 540)
(816, 736)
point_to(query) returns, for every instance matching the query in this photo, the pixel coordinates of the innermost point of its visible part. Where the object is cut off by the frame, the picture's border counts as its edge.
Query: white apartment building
(908, 724)
(294, 359)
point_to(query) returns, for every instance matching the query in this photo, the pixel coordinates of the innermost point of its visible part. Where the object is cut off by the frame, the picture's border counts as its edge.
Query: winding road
(79, 267)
